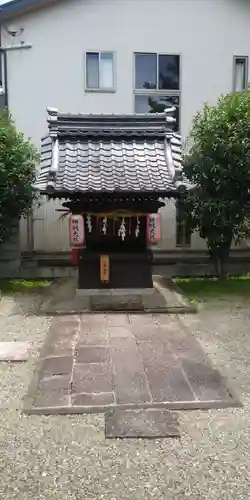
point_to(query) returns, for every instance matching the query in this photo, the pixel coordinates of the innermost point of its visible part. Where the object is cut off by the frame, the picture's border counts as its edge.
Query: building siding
(206, 34)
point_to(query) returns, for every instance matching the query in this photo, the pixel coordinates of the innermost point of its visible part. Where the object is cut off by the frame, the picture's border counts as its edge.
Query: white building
(118, 56)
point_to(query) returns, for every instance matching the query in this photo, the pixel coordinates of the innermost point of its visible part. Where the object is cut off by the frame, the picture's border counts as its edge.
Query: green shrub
(18, 159)
(218, 163)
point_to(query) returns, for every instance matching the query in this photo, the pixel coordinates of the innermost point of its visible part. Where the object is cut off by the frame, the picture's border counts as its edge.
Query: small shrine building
(112, 173)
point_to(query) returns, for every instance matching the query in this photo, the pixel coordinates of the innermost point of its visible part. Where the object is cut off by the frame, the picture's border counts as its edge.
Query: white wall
(206, 33)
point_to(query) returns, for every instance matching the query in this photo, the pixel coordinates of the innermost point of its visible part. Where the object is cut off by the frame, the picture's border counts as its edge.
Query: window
(183, 234)
(100, 71)
(157, 83)
(1, 72)
(3, 97)
(240, 74)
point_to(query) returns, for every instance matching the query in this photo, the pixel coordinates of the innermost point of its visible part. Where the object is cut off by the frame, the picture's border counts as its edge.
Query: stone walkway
(55, 458)
(96, 362)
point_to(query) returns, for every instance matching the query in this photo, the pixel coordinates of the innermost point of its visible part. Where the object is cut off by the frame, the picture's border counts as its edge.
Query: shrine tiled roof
(110, 153)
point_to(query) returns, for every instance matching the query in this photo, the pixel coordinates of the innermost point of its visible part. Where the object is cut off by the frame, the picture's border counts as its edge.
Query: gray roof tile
(89, 153)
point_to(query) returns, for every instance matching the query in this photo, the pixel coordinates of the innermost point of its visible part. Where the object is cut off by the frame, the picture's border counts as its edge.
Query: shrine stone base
(118, 299)
(82, 292)
(64, 297)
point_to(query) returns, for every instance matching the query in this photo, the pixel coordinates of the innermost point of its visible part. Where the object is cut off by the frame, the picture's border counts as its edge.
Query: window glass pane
(145, 71)
(169, 72)
(2, 94)
(92, 70)
(106, 71)
(240, 76)
(1, 73)
(157, 104)
(141, 104)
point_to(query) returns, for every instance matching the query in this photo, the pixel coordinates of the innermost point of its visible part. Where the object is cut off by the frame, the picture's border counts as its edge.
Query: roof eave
(175, 193)
(17, 8)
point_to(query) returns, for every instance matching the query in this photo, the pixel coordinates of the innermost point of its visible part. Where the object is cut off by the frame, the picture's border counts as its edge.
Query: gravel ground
(68, 458)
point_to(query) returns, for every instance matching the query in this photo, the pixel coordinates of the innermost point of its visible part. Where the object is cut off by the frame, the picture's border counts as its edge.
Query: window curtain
(106, 71)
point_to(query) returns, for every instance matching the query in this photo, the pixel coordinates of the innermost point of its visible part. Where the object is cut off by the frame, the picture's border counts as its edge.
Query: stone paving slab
(93, 400)
(96, 363)
(149, 424)
(129, 379)
(92, 354)
(58, 365)
(15, 351)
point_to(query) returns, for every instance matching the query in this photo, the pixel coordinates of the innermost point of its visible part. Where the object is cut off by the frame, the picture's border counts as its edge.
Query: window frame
(157, 91)
(100, 89)
(246, 61)
(180, 224)
(2, 72)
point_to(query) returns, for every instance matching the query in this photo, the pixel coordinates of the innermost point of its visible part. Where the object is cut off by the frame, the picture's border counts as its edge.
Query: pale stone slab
(14, 351)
